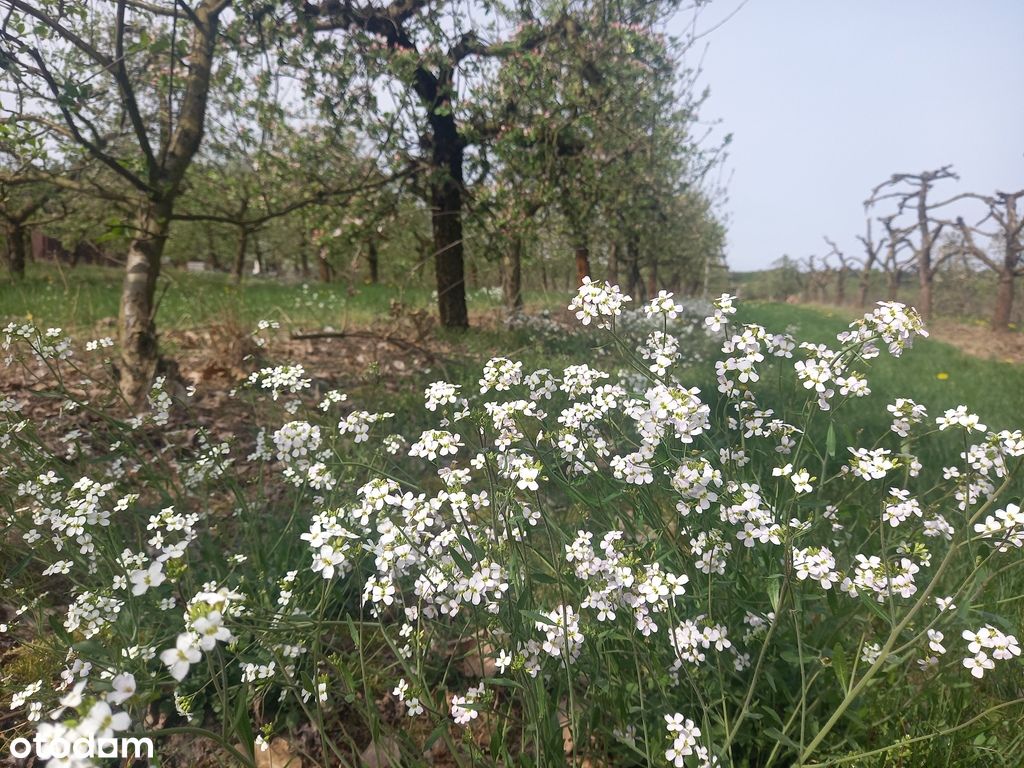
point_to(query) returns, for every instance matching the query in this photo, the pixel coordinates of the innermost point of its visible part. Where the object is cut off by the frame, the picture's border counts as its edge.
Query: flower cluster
(684, 734)
(988, 640)
(597, 301)
(280, 379)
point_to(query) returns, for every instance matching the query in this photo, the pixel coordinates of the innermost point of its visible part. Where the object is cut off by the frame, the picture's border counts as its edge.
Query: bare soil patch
(980, 341)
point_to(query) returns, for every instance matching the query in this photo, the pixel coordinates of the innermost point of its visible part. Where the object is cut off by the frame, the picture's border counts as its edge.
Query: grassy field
(85, 301)
(87, 297)
(934, 374)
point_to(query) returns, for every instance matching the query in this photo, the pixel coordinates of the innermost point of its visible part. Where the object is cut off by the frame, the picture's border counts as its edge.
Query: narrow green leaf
(775, 733)
(774, 588)
(840, 666)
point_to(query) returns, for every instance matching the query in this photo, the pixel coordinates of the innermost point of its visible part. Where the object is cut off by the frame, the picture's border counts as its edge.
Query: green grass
(992, 389)
(82, 299)
(85, 300)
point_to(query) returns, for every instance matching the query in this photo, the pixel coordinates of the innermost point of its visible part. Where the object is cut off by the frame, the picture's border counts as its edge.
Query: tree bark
(841, 286)
(373, 261)
(924, 295)
(1009, 268)
(865, 284)
(212, 257)
(925, 272)
(449, 265)
(166, 172)
(240, 249)
(512, 275)
(447, 150)
(304, 257)
(652, 280)
(260, 264)
(324, 265)
(1004, 301)
(15, 233)
(582, 263)
(139, 353)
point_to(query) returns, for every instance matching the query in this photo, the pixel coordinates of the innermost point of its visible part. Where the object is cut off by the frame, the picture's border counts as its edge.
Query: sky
(827, 98)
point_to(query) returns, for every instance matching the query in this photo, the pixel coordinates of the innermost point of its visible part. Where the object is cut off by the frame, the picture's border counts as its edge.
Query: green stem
(894, 634)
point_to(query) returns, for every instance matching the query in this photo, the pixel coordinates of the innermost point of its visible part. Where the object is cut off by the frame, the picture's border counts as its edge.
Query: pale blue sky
(827, 98)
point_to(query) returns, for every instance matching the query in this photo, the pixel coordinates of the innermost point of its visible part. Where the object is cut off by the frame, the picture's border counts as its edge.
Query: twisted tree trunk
(165, 173)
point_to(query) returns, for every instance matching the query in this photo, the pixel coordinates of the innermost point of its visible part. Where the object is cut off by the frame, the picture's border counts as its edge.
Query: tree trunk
(512, 275)
(925, 273)
(260, 264)
(243, 242)
(1008, 272)
(924, 295)
(865, 285)
(211, 245)
(373, 261)
(324, 265)
(1004, 301)
(652, 280)
(449, 262)
(582, 263)
(139, 353)
(15, 233)
(447, 149)
(137, 322)
(304, 258)
(841, 286)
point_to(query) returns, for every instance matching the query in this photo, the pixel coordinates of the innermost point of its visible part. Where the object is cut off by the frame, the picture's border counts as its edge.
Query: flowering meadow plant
(546, 567)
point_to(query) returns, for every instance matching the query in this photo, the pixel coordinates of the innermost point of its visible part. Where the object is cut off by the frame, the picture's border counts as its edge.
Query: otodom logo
(56, 747)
